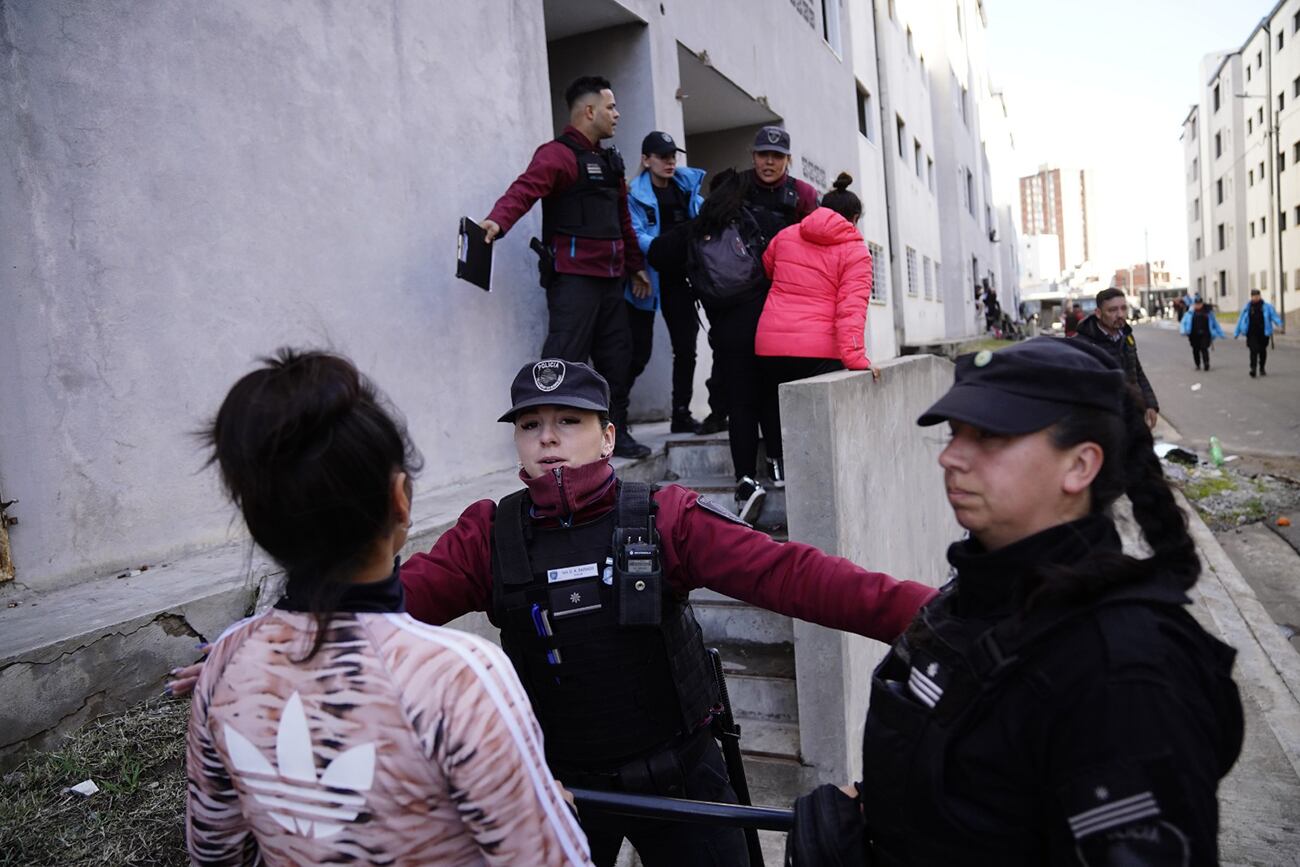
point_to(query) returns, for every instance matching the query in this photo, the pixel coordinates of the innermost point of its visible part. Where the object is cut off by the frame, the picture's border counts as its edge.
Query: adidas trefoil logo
(301, 803)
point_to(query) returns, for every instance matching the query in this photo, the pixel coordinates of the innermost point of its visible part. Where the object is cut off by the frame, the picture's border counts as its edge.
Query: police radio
(638, 576)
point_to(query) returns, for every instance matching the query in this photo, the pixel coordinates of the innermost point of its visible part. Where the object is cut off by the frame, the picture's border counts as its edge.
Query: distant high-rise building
(1055, 202)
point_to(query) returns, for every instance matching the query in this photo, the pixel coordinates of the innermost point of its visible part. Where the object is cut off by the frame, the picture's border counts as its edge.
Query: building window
(865, 112)
(1259, 60)
(1262, 227)
(1297, 215)
(1218, 145)
(1250, 178)
(1295, 152)
(911, 44)
(1196, 168)
(902, 138)
(1199, 251)
(879, 273)
(1260, 119)
(1196, 209)
(1281, 102)
(1223, 237)
(1295, 86)
(961, 24)
(938, 284)
(1218, 192)
(1250, 125)
(1281, 161)
(1193, 129)
(1223, 283)
(911, 272)
(929, 279)
(1216, 97)
(1261, 170)
(1295, 23)
(929, 172)
(1280, 40)
(970, 192)
(916, 155)
(1281, 221)
(831, 24)
(1252, 228)
(965, 112)
(891, 10)
(1247, 73)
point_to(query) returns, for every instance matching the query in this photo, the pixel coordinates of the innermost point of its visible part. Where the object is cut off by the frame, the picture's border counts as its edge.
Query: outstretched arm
(705, 549)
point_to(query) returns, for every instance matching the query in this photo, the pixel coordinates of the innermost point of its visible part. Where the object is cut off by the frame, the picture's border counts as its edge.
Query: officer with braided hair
(1056, 703)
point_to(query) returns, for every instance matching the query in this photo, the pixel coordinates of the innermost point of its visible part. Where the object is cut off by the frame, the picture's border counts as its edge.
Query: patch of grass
(1199, 489)
(137, 759)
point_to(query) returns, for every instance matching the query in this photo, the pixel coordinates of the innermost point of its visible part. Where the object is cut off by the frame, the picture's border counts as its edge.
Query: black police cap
(1029, 386)
(554, 382)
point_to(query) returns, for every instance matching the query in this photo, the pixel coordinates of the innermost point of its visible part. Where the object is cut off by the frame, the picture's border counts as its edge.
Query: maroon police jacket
(699, 548)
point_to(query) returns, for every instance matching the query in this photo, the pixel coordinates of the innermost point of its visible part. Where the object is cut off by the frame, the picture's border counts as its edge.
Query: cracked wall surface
(49, 691)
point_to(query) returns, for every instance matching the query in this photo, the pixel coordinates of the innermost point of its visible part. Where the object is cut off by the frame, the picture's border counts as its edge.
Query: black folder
(474, 255)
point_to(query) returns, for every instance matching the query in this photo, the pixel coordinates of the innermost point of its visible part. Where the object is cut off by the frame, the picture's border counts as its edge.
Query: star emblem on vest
(575, 598)
(302, 803)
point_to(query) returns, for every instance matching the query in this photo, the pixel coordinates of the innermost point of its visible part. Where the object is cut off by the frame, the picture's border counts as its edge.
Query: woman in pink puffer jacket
(816, 312)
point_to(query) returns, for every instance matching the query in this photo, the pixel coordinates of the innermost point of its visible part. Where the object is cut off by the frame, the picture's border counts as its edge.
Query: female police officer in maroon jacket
(602, 632)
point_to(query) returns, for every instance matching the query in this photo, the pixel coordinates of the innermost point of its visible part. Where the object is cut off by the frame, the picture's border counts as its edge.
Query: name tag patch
(571, 573)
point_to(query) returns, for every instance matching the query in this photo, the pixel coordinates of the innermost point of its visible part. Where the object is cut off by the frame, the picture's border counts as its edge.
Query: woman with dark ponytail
(1056, 703)
(335, 727)
(815, 316)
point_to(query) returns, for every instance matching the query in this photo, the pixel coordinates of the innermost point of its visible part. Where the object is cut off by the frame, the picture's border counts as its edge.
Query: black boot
(624, 444)
(684, 422)
(713, 423)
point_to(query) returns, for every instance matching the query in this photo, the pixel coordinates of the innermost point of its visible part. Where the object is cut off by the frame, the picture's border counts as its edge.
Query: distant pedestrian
(1202, 329)
(1256, 322)
(665, 195)
(815, 316)
(1073, 316)
(1108, 328)
(590, 247)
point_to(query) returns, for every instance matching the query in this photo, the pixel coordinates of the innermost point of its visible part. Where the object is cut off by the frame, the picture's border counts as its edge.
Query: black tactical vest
(589, 207)
(930, 690)
(603, 693)
(772, 208)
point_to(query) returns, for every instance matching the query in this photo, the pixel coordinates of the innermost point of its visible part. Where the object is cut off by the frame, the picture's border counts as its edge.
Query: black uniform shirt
(673, 207)
(1103, 746)
(1255, 323)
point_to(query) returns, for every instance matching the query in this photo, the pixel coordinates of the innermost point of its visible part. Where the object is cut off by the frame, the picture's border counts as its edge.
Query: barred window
(879, 274)
(911, 272)
(929, 279)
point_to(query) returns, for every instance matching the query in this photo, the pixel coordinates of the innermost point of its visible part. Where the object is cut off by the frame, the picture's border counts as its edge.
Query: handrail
(682, 810)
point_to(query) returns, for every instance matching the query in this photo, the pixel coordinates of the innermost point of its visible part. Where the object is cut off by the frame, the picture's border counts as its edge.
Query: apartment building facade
(1241, 143)
(204, 187)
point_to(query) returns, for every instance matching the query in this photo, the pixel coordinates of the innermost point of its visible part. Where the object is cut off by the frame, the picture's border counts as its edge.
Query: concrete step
(722, 490)
(760, 680)
(726, 620)
(762, 737)
(705, 455)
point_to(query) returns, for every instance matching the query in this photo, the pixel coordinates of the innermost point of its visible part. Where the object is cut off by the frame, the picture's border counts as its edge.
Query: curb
(1268, 667)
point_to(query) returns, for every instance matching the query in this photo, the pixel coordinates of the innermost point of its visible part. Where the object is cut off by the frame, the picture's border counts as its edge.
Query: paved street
(1260, 416)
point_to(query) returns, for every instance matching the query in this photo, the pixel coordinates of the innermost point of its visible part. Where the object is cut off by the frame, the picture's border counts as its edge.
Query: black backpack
(726, 268)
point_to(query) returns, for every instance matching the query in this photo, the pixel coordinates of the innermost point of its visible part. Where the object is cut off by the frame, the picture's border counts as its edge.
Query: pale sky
(1105, 85)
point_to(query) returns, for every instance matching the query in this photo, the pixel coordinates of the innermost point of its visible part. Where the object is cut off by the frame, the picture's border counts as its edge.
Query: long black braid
(1137, 472)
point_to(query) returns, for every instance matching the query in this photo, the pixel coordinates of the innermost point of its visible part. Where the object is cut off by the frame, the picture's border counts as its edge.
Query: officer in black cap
(774, 198)
(587, 576)
(1056, 703)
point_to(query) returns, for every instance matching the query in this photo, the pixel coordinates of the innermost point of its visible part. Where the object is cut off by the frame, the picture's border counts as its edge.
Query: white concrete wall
(189, 187)
(913, 205)
(1285, 71)
(1230, 167)
(854, 451)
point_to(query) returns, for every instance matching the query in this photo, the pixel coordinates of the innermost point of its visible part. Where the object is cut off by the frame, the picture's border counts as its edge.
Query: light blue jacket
(1270, 319)
(1185, 327)
(641, 202)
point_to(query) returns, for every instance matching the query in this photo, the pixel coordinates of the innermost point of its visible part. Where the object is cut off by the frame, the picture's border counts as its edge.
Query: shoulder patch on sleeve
(1115, 816)
(711, 506)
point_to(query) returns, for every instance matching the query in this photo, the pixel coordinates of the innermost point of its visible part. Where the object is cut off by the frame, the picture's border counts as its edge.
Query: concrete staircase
(757, 646)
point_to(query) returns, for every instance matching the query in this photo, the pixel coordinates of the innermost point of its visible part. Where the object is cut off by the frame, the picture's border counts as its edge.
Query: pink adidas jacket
(821, 283)
(397, 743)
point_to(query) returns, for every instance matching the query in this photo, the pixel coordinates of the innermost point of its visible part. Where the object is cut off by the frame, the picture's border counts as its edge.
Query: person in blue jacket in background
(662, 196)
(1256, 322)
(1202, 329)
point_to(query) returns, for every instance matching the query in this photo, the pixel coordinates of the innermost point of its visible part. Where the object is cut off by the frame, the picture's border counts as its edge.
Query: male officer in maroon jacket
(587, 231)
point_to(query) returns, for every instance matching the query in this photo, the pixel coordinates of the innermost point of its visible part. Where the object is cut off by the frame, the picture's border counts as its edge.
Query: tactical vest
(773, 208)
(588, 208)
(603, 692)
(923, 698)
